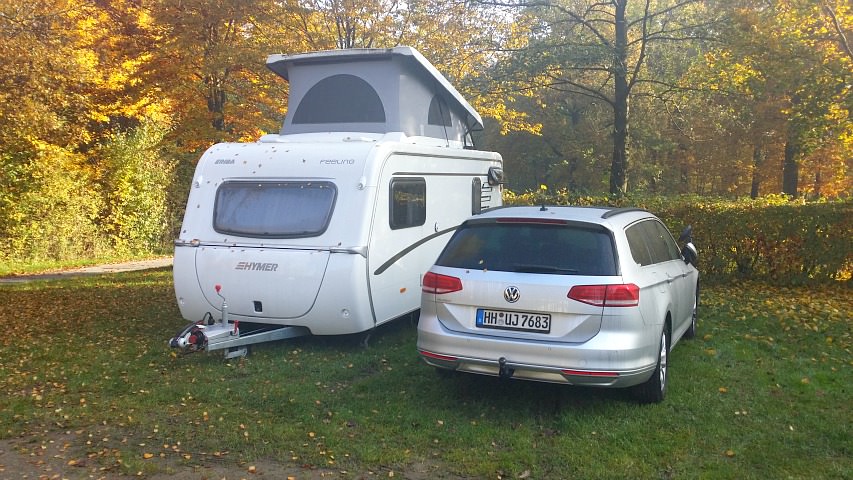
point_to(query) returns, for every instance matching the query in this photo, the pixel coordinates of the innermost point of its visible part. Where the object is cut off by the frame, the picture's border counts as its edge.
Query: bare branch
(581, 89)
(842, 38)
(642, 57)
(649, 16)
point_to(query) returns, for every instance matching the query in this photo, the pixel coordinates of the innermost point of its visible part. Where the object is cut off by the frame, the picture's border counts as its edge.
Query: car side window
(657, 247)
(673, 253)
(408, 203)
(637, 242)
(651, 243)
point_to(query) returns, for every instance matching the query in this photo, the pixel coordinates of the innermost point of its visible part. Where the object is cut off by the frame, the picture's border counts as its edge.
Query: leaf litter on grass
(89, 356)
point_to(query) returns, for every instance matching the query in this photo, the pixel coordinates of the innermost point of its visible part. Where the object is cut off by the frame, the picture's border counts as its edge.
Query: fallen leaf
(723, 390)
(146, 456)
(730, 453)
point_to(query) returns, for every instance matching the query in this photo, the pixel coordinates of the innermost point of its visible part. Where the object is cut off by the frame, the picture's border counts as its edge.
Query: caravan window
(408, 202)
(439, 112)
(274, 209)
(340, 99)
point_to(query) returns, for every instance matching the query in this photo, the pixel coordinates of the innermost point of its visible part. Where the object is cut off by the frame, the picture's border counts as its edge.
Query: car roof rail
(619, 211)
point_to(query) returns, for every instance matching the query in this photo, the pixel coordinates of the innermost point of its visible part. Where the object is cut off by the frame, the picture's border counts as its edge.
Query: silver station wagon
(576, 295)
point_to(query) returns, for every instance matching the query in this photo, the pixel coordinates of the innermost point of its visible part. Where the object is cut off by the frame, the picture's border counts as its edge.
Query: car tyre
(654, 389)
(691, 332)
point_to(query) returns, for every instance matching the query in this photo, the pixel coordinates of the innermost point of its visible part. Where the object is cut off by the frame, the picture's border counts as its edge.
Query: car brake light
(625, 295)
(439, 284)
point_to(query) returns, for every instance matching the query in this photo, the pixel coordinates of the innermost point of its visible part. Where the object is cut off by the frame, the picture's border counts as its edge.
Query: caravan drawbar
(327, 227)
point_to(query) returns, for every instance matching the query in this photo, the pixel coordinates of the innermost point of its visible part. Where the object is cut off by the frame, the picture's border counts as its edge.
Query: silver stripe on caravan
(362, 250)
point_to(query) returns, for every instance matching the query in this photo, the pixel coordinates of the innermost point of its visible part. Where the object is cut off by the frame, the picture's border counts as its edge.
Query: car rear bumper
(615, 359)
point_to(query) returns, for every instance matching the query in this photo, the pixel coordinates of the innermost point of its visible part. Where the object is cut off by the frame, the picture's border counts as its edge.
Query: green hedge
(770, 239)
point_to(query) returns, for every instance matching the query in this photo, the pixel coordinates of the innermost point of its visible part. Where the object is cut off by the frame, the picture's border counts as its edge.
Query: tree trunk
(757, 160)
(818, 180)
(791, 167)
(216, 103)
(619, 165)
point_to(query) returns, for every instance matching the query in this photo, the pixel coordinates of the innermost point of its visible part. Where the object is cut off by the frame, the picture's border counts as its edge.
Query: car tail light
(625, 295)
(438, 284)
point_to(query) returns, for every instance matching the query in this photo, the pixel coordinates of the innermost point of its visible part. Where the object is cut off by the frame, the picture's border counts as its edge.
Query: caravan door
(419, 204)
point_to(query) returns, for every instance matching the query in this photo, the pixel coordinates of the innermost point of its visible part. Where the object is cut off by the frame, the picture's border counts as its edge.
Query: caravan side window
(408, 202)
(340, 99)
(439, 112)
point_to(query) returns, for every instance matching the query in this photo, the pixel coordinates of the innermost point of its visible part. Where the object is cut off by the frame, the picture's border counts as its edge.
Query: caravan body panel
(361, 267)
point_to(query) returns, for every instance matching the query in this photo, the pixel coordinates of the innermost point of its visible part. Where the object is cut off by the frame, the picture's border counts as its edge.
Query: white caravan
(327, 227)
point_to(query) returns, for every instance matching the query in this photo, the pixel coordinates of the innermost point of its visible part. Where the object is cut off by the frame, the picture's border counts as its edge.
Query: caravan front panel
(262, 283)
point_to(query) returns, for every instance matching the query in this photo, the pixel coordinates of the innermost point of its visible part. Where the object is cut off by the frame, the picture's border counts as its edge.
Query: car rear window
(274, 209)
(531, 248)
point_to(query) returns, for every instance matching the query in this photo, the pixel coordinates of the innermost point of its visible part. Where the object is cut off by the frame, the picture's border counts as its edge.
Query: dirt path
(94, 270)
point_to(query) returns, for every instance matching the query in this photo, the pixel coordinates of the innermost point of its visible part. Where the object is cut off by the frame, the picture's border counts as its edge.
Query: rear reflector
(437, 356)
(625, 295)
(584, 373)
(438, 284)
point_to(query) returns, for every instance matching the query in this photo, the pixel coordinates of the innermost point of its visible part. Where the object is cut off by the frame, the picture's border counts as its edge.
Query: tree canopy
(105, 105)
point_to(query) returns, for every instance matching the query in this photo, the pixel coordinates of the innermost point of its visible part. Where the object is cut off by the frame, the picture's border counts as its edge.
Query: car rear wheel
(654, 389)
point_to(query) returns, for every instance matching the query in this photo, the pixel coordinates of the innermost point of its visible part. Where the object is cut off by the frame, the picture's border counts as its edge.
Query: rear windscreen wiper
(535, 268)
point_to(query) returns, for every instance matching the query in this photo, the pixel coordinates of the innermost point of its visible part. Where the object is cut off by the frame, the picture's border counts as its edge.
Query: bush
(58, 205)
(48, 206)
(771, 239)
(136, 181)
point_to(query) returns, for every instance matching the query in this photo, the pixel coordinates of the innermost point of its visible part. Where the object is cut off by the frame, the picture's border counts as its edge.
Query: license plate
(520, 321)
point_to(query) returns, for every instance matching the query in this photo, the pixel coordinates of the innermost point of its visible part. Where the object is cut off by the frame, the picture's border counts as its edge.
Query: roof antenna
(543, 208)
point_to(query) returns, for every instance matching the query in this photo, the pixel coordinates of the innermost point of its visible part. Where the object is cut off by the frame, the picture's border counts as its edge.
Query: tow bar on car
(208, 334)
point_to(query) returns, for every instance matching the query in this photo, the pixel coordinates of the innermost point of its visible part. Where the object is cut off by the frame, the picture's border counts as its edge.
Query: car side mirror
(686, 234)
(688, 252)
(496, 176)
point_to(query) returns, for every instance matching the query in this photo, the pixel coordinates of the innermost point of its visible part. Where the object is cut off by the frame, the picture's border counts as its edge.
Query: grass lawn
(89, 387)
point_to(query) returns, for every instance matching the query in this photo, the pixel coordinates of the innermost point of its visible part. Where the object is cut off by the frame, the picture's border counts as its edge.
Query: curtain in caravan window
(274, 209)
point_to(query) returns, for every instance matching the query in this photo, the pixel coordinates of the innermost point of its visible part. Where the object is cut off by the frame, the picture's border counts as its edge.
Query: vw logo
(511, 294)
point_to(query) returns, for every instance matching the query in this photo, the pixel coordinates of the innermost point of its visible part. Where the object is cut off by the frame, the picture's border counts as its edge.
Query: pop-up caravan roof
(373, 91)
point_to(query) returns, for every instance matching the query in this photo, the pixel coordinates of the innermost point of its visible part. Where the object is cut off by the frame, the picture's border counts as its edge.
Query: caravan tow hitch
(200, 335)
(208, 334)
